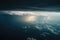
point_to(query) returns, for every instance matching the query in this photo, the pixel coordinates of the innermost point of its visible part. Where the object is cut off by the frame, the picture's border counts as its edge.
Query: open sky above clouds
(38, 5)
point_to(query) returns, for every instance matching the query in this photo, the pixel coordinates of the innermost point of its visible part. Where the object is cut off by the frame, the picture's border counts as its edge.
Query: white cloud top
(32, 13)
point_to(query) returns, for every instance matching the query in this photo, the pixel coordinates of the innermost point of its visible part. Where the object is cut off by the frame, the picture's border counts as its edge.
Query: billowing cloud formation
(49, 15)
(43, 26)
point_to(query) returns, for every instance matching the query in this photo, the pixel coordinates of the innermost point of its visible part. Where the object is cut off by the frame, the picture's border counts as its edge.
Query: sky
(30, 5)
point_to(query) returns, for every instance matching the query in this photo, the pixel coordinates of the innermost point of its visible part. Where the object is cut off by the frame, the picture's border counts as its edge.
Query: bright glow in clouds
(30, 19)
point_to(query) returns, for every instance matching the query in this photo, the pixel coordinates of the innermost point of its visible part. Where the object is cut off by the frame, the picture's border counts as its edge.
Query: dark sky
(44, 5)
